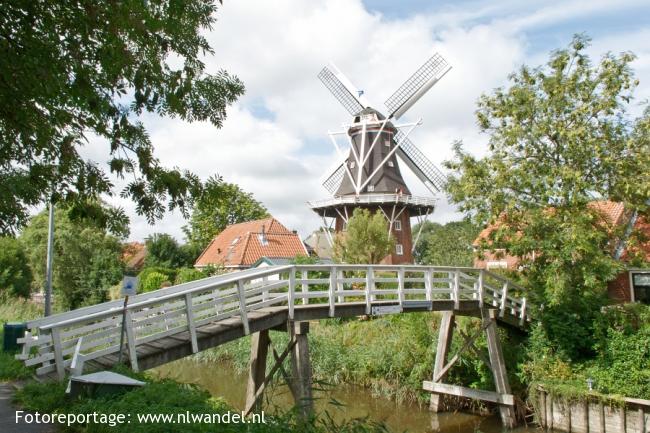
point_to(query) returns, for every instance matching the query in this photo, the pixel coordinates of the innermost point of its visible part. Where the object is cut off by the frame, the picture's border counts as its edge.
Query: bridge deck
(178, 321)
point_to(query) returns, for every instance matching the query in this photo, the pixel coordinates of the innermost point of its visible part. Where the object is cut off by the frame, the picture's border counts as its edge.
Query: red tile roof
(612, 212)
(241, 245)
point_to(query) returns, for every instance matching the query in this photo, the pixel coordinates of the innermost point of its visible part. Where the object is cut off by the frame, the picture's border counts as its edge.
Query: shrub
(153, 281)
(170, 275)
(185, 275)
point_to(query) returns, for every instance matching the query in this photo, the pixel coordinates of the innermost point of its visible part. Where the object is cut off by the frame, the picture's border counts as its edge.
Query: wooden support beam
(445, 335)
(190, 322)
(468, 342)
(130, 341)
(301, 368)
(257, 368)
(498, 365)
(507, 400)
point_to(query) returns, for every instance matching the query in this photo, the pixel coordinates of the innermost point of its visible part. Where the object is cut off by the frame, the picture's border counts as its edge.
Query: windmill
(368, 174)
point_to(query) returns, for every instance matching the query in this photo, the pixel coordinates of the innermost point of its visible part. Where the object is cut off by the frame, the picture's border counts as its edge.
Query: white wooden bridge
(174, 322)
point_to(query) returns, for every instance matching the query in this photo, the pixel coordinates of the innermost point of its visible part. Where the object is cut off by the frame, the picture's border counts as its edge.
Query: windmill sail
(334, 180)
(421, 166)
(417, 85)
(342, 89)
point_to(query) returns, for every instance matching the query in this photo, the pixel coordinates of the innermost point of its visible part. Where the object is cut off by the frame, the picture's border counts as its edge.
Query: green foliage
(153, 281)
(366, 240)
(169, 274)
(304, 260)
(86, 258)
(221, 204)
(15, 274)
(96, 69)
(186, 275)
(163, 251)
(446, 245)
(559, 136)
(15, 310)
(621, 355)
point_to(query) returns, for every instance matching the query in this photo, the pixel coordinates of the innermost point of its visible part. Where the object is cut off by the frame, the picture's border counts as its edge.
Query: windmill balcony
(410, 201)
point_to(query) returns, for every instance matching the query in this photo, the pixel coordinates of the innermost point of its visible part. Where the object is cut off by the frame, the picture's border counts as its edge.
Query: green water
(222, 380)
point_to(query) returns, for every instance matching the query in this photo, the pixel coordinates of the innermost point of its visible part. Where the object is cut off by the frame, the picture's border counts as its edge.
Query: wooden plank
(370, 275)
(332, 288)
(130, 341)
(260, 342)
(190, 322)
(476, 394)
(242, 306)
(456, 288)
(445, 336)
(58, 352)
(292, 290)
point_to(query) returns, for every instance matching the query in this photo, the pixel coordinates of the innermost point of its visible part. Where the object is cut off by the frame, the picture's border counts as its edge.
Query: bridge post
(257, 369)
(301, 386)
(445, 335)
(498, 366)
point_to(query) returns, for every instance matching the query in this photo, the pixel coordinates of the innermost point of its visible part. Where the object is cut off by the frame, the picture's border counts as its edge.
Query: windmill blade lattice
(334, 180)
(413, 88)
(421, 166)
(340, 91)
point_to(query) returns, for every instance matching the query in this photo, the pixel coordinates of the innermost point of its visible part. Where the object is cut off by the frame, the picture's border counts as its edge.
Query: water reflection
(342, 402)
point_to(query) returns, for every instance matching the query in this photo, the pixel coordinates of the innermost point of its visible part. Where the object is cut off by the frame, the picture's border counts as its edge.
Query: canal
(342, 402)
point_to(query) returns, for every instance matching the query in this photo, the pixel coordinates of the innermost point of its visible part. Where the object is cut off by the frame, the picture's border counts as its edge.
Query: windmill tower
(368, 174)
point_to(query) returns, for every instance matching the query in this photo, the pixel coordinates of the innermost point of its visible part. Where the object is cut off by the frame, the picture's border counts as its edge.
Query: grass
(15, 310)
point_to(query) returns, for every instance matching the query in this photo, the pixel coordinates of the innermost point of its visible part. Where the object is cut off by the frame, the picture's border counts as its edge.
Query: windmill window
(371, 188)
(399, 249)
(353, 164)
(398, 226)
(387, 142)
(390, 164)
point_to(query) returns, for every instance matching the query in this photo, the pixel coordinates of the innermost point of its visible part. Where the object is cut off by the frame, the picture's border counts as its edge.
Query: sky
(274, 143)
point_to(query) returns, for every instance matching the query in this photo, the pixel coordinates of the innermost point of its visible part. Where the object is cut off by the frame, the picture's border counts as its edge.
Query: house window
(371, 188)
(399, 249)
(640, 286)
(496, 264)
(398, 226)
(390, 164)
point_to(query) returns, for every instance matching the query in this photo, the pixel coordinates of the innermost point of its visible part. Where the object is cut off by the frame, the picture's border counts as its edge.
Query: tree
(367, 239)
(560, 137)
(15, 274)
(86, 259)
(220, 205)
(163, 251)
(75, 68)
(446, 245)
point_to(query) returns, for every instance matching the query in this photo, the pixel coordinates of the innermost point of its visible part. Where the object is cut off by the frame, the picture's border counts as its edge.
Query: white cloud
(277, 48)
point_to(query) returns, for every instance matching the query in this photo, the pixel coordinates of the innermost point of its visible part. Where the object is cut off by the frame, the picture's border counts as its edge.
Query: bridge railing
(63, 342)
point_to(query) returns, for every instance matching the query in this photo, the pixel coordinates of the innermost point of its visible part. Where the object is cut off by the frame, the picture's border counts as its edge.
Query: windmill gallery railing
(63, 342)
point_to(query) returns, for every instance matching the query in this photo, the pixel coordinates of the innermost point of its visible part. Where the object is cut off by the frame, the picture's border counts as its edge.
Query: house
(632, 285)
(319, 245)
(133, 255)
(239, 246)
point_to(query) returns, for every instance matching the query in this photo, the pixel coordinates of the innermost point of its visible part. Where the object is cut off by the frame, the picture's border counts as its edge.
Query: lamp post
(50, 253)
